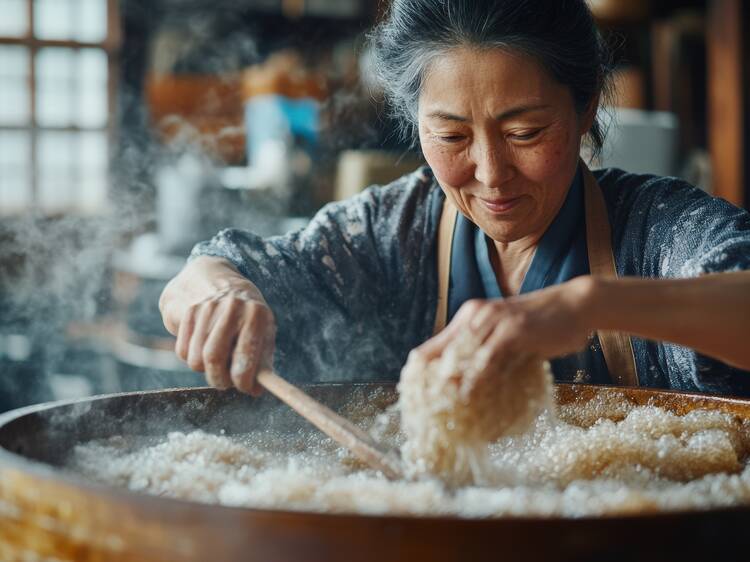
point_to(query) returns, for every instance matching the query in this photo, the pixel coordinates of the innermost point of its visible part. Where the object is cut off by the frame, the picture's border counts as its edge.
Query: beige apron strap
(616, 346)
(447, 224)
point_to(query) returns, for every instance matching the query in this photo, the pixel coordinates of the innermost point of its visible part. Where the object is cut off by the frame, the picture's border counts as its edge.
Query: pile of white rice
(452, 407)
(572, 464)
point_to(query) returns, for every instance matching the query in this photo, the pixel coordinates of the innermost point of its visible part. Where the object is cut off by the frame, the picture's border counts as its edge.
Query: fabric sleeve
(331, 284)
(688, 233)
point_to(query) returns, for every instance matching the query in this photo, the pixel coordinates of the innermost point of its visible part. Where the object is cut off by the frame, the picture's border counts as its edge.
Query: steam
(56, 276)
(58, 271)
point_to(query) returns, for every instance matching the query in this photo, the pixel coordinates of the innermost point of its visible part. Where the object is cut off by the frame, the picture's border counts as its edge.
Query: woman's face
(502, 138)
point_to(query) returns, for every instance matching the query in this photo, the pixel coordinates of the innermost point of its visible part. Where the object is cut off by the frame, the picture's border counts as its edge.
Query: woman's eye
(450, 138)
(525, 135)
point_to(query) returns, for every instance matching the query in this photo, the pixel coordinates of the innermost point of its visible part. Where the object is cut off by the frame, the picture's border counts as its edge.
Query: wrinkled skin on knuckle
(188, 319)
(473, 306)
(239, 374)
(215, 381)
(519, 322)
(499, 306)
(193, 310)
(271, 334)
(491, 310)
(505, 336)
(231, 304)
(166, 298)
(263, 313)
(213, 359)
(248, 353)
(486, 358)
(195, 363)
(261, 320)
(215, 372)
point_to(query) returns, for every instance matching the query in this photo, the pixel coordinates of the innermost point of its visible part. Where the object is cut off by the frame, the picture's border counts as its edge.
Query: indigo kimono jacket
(356, 289)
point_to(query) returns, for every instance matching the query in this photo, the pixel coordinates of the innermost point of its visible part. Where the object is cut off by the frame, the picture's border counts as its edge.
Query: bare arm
(710, 314)
(685, 261)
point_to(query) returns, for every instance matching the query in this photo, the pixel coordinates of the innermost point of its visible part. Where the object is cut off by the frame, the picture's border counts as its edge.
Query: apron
(616, 346)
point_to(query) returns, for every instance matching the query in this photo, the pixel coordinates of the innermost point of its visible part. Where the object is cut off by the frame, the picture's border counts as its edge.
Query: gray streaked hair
(560, 34)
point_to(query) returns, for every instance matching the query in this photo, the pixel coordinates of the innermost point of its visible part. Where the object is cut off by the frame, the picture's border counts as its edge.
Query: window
(56, 96)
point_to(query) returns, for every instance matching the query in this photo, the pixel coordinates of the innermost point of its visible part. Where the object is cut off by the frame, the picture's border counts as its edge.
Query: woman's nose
(491, 166)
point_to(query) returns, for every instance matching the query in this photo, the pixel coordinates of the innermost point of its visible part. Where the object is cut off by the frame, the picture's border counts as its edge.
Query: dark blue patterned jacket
(356, 289)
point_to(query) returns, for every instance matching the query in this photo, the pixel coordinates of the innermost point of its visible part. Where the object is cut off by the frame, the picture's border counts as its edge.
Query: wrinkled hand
(229, 335)
(548, 323)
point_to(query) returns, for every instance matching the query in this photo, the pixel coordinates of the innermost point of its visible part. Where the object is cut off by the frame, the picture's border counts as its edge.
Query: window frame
(110, 45)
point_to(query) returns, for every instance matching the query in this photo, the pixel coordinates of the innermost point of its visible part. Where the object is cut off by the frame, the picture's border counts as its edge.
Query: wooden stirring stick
(329, 422)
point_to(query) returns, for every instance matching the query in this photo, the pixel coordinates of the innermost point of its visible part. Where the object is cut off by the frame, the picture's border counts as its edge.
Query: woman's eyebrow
(445, 116)
(515, 111)
(507, 114)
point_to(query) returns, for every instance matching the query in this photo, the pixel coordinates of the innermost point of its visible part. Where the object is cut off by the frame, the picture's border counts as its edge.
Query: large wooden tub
(46, 514)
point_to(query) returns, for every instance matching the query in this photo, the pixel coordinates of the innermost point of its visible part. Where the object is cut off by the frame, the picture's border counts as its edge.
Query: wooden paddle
(337, 428)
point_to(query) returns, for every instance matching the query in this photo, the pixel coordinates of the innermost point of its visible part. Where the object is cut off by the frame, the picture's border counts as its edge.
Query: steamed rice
(581, 464)
(449, 421)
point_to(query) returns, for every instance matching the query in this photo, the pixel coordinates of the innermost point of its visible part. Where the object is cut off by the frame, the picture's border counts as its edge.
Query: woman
(499, 95)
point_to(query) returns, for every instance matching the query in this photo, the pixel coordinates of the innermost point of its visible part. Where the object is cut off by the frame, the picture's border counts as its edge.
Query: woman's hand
(548, 323)
(707, 313)
(222, 323)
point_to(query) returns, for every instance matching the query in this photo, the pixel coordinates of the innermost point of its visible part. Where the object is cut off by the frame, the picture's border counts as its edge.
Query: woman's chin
(504, 234)
(504, 228)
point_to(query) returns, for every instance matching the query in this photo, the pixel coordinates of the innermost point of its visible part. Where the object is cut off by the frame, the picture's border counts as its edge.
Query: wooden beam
(34, 173)
(726, 137)
(108, 45)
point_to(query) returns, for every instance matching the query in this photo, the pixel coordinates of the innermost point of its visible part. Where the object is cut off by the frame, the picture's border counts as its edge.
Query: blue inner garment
(560, 256)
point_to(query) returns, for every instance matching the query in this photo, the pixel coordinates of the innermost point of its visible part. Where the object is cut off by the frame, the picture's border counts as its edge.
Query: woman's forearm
(709, 314)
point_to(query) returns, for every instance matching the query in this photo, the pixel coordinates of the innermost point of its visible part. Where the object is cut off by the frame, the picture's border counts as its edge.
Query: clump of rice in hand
(449, 421)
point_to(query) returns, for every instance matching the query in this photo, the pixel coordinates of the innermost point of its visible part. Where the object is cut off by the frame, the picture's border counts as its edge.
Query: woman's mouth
(500, 206)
